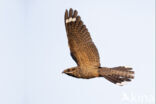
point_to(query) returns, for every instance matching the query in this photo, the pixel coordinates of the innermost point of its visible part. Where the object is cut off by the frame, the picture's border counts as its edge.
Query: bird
(84, 52)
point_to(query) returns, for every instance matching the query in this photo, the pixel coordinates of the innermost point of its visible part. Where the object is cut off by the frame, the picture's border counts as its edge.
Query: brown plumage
(86, 55)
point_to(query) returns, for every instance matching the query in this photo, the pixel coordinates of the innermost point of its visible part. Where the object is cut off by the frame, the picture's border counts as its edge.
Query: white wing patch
(127, 67)
(70, 20)
(122, 83)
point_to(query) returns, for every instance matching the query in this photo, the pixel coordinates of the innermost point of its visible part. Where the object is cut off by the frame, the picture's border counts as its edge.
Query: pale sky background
(34, 51)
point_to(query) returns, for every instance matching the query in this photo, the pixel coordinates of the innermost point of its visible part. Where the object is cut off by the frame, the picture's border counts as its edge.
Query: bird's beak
(63, 71)
(66, 72)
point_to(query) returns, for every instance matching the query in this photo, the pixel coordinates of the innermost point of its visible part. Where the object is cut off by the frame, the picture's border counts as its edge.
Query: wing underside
(82, 48)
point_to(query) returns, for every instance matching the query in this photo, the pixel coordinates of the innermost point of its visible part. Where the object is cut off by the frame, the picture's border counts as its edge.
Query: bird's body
(86, 55)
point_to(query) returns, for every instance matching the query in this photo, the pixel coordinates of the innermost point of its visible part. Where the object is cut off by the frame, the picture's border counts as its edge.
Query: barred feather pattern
(80, 43)
(117, 75)
(85, 54)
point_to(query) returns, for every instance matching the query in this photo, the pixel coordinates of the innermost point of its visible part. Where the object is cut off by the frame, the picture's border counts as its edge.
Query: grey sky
(34, 51)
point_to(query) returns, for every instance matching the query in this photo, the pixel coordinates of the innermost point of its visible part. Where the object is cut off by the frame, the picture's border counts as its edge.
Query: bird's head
(71, 71)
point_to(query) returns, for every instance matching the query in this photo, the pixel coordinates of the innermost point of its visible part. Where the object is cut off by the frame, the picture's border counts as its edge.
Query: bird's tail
(117, 75)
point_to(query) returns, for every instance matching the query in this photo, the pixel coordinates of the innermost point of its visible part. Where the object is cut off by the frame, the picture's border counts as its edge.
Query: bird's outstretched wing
(82, 48)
